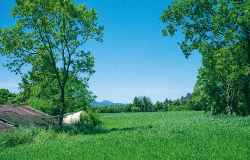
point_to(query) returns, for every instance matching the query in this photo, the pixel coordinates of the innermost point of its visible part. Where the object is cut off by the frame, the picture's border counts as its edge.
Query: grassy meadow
(155, 135)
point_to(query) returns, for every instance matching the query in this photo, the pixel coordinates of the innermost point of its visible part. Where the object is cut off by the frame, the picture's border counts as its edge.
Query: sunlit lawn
(161, 135)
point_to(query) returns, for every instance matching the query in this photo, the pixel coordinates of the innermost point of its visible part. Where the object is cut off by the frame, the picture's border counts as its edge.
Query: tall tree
(158, 106)
(210, 26)
(143, 102)
(136, 102)
(51, 31)
(147, 104)
(39, 89)
(166, 104)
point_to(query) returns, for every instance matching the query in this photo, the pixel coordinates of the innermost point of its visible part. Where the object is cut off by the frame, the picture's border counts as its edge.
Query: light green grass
(161, 135)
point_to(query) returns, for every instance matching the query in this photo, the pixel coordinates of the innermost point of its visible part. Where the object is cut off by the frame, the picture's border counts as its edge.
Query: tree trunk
(246, 86)
(228, 99)
(232, 105)
(247, 99)
(62, 106)
(245, 91)
(230, 102)
(247, 102)
(230, 112)
(231, 108)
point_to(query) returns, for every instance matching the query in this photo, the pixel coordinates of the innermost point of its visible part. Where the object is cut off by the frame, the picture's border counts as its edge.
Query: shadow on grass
(35, 134)
(85, 129)
(130, 128)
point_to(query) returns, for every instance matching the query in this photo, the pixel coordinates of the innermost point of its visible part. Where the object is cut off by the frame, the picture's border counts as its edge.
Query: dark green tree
(166, 104)
(143, 102)
(136, 102)
(129, 107)
(158, 106)
(39, 90)
(216, 29)
(147, 104)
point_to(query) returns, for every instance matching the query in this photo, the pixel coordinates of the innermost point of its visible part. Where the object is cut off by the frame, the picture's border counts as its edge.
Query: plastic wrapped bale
(74, 118)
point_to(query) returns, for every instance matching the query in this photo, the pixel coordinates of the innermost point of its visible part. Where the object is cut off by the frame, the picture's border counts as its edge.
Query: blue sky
(134, 59)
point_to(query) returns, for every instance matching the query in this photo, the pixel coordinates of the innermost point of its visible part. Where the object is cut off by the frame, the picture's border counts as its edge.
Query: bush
(93, 118)
(23, 135)
(136, 109)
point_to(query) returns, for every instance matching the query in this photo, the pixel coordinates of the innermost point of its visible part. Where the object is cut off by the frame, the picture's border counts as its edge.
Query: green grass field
(159, 135)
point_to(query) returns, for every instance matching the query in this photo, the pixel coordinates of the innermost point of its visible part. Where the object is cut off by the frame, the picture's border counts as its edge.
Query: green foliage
(219, 30)
(136, 109)
(48, 106)
(39, 96)
(6, 96)
(199, 100)
(144, 103)
(128, 107)
(159, 106)
(47, 36)
(31, 134)
(183, 104)
(93, 116)
(241, 109)
(16, 123)
(166, 104)
(113, 109)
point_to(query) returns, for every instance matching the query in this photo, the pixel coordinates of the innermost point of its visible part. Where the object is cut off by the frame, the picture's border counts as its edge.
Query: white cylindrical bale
(74, 118)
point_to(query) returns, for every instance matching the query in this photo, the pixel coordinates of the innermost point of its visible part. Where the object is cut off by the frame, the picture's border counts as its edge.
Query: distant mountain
(106, 103)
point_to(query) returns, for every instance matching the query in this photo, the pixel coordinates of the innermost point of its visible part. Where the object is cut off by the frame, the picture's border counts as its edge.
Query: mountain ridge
(106, 103)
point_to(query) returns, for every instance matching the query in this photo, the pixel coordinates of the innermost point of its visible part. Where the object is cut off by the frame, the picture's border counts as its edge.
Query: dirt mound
(24, 115)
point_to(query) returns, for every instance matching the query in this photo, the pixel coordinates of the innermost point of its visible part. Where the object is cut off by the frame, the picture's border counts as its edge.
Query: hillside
(106, 103)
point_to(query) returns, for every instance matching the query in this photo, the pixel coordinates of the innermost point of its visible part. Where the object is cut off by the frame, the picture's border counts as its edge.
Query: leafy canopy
(51, 31)
(219, 30)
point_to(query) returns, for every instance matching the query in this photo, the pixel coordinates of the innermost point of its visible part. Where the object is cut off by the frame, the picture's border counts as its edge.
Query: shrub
(94, 117)
(23, 135)
(136, 109)
(16, 123)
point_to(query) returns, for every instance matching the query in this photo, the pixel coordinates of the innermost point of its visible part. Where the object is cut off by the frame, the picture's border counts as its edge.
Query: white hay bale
(74, 118)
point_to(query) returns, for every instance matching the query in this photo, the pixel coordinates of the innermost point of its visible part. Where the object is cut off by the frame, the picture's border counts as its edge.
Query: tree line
(220, 31)
(139, 104)
(145, 104)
